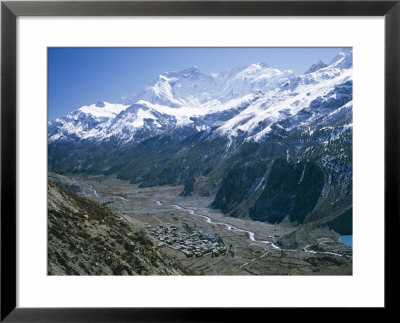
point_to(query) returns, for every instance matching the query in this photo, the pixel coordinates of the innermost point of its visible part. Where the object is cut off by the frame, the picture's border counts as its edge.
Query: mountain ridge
(151, 105)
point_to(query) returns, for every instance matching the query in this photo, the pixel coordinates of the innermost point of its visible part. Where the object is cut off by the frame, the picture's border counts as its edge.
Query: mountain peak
(194, 68)
(101, 109)
(257, 66)
(315, 67)
(190, 71)
(344, 59)
(263, 65)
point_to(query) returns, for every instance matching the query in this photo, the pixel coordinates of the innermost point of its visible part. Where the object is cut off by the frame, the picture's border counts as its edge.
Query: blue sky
(83, 76)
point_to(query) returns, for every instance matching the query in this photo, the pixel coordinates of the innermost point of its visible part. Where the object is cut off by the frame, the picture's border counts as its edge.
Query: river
(228, 226)
(344, 239)
(94, 191)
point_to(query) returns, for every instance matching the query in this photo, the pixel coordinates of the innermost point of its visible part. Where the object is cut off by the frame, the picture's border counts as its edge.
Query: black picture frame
(10, 10)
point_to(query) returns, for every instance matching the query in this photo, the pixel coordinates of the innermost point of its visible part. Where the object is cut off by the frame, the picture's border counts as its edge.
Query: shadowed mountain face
(85, 238)
(291, 190)
(266, 144)
(279, 190)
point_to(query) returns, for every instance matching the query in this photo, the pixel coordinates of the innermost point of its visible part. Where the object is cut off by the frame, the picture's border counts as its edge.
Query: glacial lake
(347, 240)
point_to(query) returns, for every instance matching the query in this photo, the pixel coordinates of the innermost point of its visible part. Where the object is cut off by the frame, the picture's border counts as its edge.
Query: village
(191, 244)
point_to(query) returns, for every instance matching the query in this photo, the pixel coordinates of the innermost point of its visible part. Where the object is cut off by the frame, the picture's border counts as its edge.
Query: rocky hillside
(85, 238)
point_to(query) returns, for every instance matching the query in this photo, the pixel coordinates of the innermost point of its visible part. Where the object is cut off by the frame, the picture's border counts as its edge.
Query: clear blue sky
(83, 76)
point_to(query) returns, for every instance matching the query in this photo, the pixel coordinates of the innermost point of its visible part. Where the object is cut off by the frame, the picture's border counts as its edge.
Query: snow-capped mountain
(88, 122)
(191, 87)
(237, 100)
(174, 99)
(297, 103)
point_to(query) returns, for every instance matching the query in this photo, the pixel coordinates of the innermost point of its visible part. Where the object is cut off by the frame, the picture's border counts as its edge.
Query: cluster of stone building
(191, 244)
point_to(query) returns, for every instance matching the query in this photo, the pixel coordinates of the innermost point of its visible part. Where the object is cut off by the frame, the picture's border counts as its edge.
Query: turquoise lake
(347, 240)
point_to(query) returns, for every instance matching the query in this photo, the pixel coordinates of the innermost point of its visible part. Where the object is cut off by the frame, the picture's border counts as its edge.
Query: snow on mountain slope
(88, 122)
(251, 100)
(141, 120)
(103, 109)
(296, 104)
(191, 87)
(144, 119)
(281, 105)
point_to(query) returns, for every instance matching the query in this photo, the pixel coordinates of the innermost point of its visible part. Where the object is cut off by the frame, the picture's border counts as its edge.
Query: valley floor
(205, 241)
